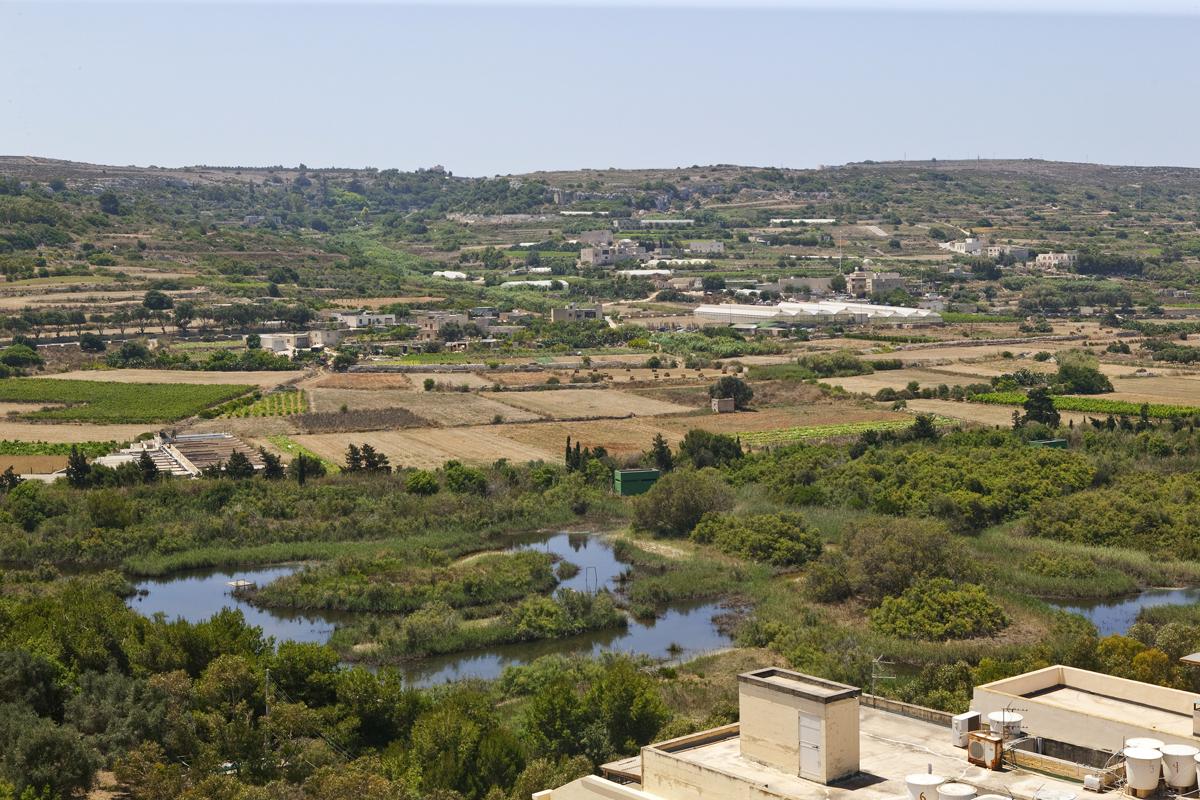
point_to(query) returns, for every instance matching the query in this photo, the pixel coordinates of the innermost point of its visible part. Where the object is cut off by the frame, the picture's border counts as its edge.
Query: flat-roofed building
(1056, 260)
(706, 246)
(801, 737)
(815, 313)
(577, 312)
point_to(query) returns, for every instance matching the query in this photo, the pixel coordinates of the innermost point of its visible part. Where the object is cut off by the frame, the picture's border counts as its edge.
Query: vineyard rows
(274, 404)
(804, 432)
(1092, 405)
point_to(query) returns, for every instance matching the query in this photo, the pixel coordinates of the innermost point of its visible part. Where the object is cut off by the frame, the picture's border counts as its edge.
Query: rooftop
(892, 747)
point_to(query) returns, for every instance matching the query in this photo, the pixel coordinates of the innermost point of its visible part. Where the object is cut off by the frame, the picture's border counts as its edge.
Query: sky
(490, 87)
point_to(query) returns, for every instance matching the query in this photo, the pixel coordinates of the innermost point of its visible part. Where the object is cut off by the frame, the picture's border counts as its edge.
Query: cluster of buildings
(603, 250)
(1058, 733)
(972, 246)
(789, 313)
(864, 283)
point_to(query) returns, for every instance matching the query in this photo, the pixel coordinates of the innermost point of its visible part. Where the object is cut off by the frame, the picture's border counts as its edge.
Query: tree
(373, 460)
(185, 315)
(1079, 373)
(304, 467)
(157, 304)
(239, 466)
(91, 343)
(677, 501)
(660, 454)
(421, 482)
(354, 461)
(20, 356)
(52, 758)
(110, 203)
(1039, 408)
(78, 468)
(147, 467)
(9, 479)
(253, 341)
(705, 449)
(736, 388)
(272, 466)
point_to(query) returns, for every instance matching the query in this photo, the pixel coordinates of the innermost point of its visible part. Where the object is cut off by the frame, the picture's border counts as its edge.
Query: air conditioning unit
(961, 725)
(984, 749)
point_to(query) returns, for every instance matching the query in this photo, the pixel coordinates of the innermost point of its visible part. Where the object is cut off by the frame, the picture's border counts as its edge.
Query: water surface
(683, 629)
(1118, 616)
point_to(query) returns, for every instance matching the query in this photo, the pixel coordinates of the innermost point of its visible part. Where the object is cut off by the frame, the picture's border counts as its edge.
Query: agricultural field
(180, 376)
(274, 404)
(110, 402)
(579, 403)
(1094, 405)
(804, 433)
(979, 413)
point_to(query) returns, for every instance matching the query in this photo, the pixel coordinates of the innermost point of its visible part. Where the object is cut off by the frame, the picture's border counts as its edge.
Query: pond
(682, 629)
(1118, 616)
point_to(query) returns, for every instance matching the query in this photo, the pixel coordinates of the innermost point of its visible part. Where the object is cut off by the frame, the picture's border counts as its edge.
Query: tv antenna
(876, 664)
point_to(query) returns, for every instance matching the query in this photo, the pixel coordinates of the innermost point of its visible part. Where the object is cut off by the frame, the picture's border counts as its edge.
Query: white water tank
(923, 785)
(1179, 765)
(1005, 723)
(1143, 768)
(1145, 742)
(956, 791)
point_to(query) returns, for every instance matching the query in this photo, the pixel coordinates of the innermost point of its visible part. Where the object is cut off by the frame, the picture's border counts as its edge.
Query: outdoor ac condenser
(961, 725)
(984, 749)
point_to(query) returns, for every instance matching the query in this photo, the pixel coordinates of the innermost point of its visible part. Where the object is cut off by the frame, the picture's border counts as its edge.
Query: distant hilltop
(47, 169)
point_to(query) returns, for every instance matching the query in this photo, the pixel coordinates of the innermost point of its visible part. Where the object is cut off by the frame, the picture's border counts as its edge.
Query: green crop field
(105, 402)
(1092, 405)
(275, 404)
(805, 432)
(12, 447)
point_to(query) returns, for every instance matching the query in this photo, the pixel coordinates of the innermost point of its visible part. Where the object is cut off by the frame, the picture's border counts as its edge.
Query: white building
(364, 319)
(821, 312)
(1056, 260)
(291, 343)
(706, 246)
(534, 285)
(450, 275)
(605, 255)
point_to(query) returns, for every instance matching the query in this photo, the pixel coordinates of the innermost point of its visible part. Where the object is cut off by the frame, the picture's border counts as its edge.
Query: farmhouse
(861, 283)
(577, 313)
(291, 343)
(1056, 260)
(430, 323)
(605, 255)
(706, 246)
(364, 319)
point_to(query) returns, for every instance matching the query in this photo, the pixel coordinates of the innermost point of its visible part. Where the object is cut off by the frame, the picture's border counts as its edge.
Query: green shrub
(677, 502)
(938, 609)
(778, 539)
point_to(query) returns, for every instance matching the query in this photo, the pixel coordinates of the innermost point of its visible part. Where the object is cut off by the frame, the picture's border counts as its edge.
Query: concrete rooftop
(892, 747)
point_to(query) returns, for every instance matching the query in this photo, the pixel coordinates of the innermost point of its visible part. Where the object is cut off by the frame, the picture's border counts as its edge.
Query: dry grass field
(431, 447)
(895, 379)
(358, 380)
(1181, 389)
(471, 379)
(981, 413)
(262, 379)
(574, 403)
(68, 432)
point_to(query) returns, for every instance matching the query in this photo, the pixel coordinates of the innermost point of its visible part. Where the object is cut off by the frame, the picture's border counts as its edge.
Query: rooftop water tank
(1145, 742)
(923, 785)
(1179, 765)
(956, 791)
(1005, 723)
(1143, 767)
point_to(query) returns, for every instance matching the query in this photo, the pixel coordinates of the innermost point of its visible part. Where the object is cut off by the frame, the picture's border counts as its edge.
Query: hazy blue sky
(490, 88)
